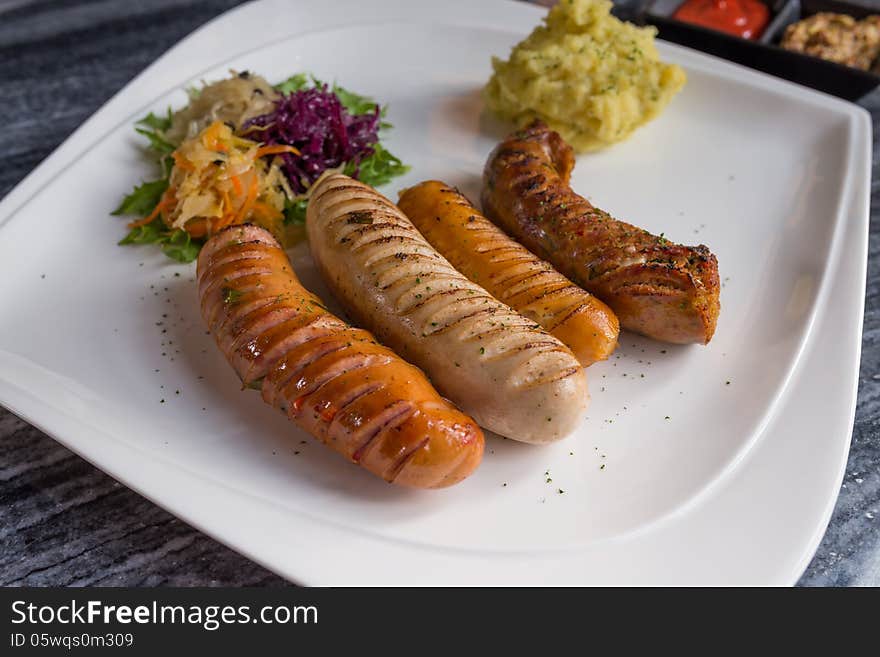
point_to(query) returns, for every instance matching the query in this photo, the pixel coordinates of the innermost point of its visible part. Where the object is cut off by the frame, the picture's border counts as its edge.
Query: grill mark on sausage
(355, 393)
(510, 261)
(349, 363)
(519, 278)
(574, 310)
(331, 188)
(433, 296)
(244, 291)
(296, 368)
(398, 467)
(503, 248)
(397, 413)
(542, 291)
(265, 350)
(224, 279)
(407, 278)
(386, 239)
(242, 314)
(564, 374)
(536, 345)
(304, 353)
(259, 324)
(355, 200)
(472, 316)
(388, 215)
(248, 251)
(211, 249)
(367, 228)
(488, 333)
(424, 300)
(551, 296)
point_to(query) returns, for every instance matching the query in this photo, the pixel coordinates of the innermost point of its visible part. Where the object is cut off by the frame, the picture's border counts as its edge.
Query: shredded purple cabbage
(315, 122)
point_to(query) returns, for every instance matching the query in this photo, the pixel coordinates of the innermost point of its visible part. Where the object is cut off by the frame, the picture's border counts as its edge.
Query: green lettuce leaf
(143, 199)
(377, 169)
(179, 246)
(295, 211)
(176, 244)
(293, 83)
(157, 142)
(157, 123)
(355, 103)
(147, 234)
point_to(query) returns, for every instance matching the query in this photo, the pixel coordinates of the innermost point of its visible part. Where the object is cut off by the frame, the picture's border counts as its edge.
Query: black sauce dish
(764, 53)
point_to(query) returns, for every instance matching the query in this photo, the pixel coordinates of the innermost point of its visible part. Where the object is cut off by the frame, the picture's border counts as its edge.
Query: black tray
(763, 53)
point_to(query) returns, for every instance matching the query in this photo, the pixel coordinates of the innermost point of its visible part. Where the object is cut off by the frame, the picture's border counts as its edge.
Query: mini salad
(244, 151)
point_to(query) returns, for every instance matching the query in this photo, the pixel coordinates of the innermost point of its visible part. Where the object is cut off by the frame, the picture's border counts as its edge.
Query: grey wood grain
(62, 521)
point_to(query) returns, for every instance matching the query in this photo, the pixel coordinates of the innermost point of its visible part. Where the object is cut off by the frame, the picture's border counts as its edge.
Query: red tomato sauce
(742, 18)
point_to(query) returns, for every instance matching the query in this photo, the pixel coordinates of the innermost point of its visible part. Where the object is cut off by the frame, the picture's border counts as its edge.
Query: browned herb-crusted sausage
(660, 289)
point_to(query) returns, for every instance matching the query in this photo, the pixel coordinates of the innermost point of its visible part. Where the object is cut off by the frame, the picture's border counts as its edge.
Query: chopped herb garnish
(230, 296)
(360, 217)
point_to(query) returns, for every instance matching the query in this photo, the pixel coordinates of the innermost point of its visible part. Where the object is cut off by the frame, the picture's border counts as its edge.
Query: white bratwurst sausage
(513, 377)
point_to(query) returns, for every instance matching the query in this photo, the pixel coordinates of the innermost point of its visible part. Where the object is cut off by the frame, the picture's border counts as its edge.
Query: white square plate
(694, 465)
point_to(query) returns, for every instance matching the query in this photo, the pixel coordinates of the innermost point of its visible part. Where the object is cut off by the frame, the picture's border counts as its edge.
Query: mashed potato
(589, 76)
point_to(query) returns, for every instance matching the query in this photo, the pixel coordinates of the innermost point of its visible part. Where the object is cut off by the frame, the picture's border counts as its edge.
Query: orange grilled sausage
(510, 272)
(663, 290)
(333, 380)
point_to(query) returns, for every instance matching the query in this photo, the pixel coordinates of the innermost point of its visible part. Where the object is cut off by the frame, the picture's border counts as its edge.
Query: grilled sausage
(498, 366)
(334, 381)
(509, 271)
(663, 290)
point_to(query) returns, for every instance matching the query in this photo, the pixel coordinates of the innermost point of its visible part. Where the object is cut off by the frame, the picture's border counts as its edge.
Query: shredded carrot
(163, 203)
(211, 137)
(275, 149)
(197, 227)
(236, 185)
(248, 202)
(182, 162)
(266, 210)
(237, 197)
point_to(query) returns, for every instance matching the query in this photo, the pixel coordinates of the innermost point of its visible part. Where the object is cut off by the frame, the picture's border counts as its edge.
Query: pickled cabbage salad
(245, 151)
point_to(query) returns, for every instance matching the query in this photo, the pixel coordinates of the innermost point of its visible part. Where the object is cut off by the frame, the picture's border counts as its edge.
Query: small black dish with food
(764, 52)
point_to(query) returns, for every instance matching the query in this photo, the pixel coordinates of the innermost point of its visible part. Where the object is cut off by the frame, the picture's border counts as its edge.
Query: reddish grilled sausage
(663, 290)
(333, 380)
